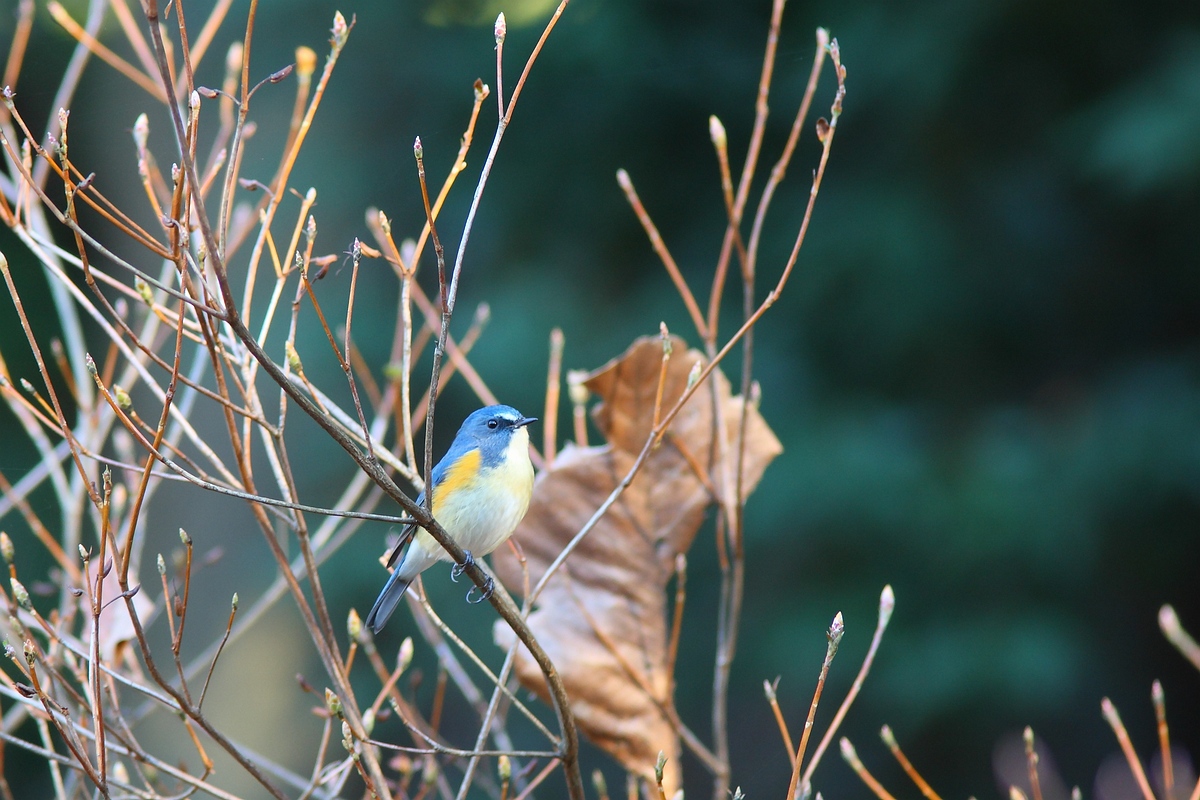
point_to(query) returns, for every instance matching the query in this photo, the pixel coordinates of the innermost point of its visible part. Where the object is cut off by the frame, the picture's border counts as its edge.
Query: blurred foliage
(985, 374)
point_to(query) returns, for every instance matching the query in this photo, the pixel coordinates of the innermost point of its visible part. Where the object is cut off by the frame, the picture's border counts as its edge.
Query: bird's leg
(489, 586)
(457, 570)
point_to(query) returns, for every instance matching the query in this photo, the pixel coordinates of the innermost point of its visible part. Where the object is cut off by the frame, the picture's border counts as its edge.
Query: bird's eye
(493, 423)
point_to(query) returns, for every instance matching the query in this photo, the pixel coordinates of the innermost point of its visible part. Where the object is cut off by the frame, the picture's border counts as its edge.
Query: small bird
(481, 490)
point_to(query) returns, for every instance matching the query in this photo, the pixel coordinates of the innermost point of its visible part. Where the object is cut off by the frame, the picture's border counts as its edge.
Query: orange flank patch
(459, 476)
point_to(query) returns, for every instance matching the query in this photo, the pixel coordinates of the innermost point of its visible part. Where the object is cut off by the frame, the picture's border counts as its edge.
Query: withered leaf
(602, 617)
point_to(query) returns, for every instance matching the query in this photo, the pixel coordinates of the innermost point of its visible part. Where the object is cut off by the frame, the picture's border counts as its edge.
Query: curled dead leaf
(602, 616)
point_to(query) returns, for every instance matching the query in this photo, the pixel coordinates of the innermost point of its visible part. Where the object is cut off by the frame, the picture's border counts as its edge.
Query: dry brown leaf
(602, 618)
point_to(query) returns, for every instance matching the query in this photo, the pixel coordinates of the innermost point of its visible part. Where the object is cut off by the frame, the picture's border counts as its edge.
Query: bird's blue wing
(457, 450)
(405, 535)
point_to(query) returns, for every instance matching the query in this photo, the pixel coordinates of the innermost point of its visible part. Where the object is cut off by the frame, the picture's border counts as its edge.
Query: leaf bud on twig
(333, 703)
(836, 629)
(6, 547)
(306, 62)
(21, 594)
(600, 784)
(353, 625)
(63, 116)
(233, 58)
(279, 75)
(501, 29)
(576, 388)
(716, 132)
(340, 31)
(404, 657)
(887, 604)
(141, 134)
(889, 738)
(293, 358)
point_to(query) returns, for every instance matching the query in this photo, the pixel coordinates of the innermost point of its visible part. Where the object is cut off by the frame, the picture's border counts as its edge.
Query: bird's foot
(458, 569)
(489, 586)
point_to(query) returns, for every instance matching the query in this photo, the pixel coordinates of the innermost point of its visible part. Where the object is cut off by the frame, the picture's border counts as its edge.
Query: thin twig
(1159, 699)
(889, 739)
(836, 630)
(63, 18)
(1135, 765)
(851, 757)
(770, 690)
(1173, 629)
(553, 390)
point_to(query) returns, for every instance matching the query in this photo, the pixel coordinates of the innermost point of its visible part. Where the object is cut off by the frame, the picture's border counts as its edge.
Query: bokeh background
(984, 371)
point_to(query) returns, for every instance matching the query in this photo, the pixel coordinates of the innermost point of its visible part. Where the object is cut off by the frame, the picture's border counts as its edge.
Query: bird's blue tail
(387, 601)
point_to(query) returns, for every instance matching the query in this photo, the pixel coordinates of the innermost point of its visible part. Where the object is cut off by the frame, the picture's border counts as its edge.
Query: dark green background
(984, 370)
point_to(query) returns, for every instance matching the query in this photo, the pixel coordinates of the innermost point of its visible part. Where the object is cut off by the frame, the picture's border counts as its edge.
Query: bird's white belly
(481, 519)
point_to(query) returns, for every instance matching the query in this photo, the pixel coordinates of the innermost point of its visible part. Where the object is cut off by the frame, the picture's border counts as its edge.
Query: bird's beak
(523, 421)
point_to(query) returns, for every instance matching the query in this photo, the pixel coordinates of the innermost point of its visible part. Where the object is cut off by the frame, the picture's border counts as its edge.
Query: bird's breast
(480, 506)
